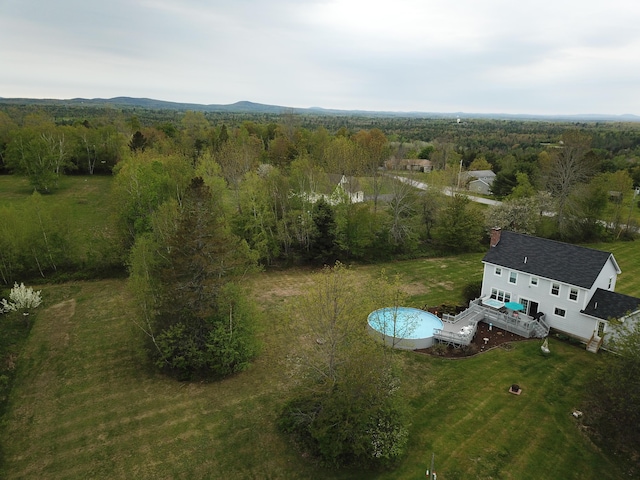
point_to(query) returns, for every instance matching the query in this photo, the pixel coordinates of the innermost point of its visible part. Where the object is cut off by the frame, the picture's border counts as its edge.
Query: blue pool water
(410, 323)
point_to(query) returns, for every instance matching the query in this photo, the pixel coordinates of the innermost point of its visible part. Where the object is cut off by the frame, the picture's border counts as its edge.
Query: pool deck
(452, 331)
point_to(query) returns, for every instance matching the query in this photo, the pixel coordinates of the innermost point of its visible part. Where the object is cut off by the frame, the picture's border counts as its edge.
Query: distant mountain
(129, 102)
(259, 108)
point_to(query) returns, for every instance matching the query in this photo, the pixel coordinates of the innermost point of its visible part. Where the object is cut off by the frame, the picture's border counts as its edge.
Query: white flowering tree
(21, 299)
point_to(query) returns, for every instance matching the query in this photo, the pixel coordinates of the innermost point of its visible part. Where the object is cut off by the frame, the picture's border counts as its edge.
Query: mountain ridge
(245, 106)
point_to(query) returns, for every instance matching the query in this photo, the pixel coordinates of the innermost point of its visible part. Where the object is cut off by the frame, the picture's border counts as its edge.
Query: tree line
(289, 189)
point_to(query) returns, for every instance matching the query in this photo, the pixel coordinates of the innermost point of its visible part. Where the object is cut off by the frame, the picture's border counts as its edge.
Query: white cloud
(429, 55)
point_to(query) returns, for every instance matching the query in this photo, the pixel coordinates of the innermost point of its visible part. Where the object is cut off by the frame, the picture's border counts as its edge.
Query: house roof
(550, 259)
(605, 304)
(480, 180)
(481, 173)
(485, 176)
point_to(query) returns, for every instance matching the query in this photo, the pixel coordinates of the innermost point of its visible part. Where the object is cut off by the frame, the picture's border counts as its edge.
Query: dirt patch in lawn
(415, 288)
(59, 319)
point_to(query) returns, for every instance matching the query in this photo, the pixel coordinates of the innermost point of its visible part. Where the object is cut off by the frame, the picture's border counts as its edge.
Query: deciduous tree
(41, 154)
(613, 409)
(520, 215)
(376, 150)
(569, 167)
(347, 409)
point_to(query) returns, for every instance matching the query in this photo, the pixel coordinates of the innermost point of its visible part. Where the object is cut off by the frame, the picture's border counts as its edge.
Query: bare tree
(376, 151)
(569, 166)
(402, 208)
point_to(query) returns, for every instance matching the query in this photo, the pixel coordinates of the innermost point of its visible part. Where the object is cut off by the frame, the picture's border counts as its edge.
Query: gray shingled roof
(605, 304)
(559, 261)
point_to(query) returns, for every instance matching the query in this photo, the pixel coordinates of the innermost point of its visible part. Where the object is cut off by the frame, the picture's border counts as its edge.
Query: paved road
(487, 201)
(448, 191)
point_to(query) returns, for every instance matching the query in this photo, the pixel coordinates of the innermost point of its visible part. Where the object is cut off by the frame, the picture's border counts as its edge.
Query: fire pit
(515, 389)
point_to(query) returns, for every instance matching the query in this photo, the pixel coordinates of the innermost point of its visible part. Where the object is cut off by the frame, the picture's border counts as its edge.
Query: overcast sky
(475, 56)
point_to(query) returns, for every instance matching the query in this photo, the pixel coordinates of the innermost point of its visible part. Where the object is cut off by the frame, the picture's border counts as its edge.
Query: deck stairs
(541, 328)
(594, 343)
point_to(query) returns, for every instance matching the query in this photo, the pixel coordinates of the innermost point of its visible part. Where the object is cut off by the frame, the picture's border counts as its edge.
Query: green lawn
(84, 198)
(627, 255)
(86, 404)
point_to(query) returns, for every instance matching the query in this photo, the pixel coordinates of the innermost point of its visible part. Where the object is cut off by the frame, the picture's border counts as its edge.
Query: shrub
(439, 349)
(341, 430)
(472, 290)
(22, 299)
(470, 349)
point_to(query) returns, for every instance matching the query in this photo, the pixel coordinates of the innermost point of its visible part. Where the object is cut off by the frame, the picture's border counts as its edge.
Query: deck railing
(461, 339)
(513, 322)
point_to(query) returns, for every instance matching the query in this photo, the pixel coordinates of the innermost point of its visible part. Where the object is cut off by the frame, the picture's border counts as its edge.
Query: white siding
(608, 272)
(573, 323)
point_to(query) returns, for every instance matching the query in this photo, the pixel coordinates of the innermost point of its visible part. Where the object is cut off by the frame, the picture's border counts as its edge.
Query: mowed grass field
(85, 199)
(87, 405)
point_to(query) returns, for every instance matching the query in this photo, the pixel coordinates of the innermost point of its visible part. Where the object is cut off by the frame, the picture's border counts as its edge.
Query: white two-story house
(572, 286)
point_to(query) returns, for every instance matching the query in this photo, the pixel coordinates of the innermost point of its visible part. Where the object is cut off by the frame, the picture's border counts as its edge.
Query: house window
(498, 271)
(555, 289)
(573, 294)
(533, 281)
(610, 283)
(513, 277)
(500, 295)
(559, 312)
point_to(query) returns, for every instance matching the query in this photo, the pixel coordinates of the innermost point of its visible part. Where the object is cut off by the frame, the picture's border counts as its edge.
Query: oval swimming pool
(404, 327)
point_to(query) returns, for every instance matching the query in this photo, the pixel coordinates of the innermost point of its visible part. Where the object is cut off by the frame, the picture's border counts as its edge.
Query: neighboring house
(343, 192)
(418, 165)
(572, 286)
(478, 181)
(414, 164)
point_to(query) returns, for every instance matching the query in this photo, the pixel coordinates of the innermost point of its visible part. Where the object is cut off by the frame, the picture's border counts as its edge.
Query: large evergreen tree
(460, 226)
(204, 321)
(323, 248)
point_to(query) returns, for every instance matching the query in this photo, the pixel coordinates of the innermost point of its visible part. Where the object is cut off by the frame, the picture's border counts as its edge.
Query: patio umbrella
(515, 306)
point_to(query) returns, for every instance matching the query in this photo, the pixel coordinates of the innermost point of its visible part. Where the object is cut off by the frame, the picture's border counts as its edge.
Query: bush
(472, 290)
(341, 430)
(470, 349)
(22, 299)
(439, 349)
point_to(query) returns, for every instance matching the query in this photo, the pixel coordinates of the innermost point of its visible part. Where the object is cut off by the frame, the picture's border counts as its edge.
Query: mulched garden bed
(496, 337)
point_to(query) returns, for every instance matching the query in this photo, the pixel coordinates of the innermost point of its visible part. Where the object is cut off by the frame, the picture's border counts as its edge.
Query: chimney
(495, 236)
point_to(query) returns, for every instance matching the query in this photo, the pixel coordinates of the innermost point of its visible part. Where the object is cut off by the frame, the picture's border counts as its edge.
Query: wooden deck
(459, 330)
